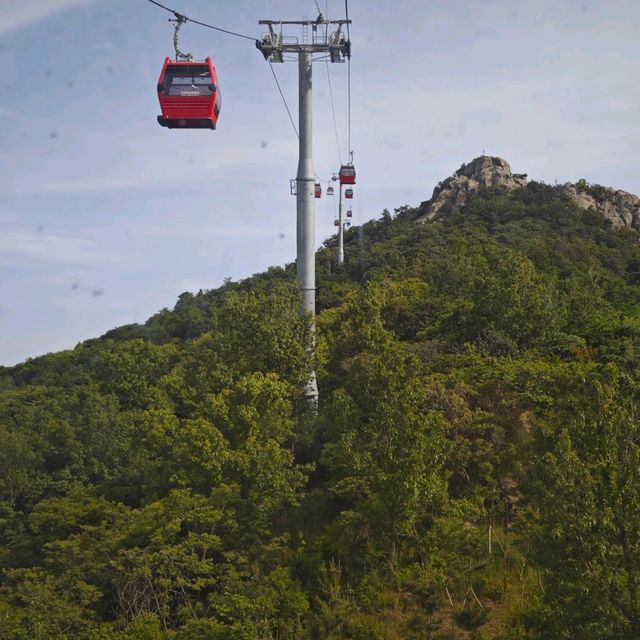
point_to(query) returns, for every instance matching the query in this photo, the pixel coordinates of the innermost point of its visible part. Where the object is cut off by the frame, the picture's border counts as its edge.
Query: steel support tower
(315, 39)
(340, 229)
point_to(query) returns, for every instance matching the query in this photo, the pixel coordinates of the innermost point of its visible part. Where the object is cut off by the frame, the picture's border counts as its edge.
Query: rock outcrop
(619, 207)
(456, 191)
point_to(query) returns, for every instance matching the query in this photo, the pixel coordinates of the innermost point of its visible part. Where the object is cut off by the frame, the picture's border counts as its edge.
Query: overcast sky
(106, 217)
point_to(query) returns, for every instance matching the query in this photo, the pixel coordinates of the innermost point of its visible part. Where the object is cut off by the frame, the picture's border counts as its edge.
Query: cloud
(87, 185)
(17, 15)
(36, 343)
(18, 247)
(10, 114)
(123, 165)
(192, 284)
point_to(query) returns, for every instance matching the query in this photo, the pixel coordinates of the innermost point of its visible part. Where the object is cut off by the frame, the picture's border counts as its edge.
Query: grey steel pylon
(274, 46)
(340, 230)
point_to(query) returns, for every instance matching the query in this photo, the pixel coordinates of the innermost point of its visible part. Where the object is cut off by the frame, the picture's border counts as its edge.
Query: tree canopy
(472, 472)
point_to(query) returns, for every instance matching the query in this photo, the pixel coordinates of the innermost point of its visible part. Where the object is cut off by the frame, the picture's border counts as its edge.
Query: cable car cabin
(189, 95)
(330, 190)
(318, 191)
(347, 174)
(348, 193)
(349, 213)
(336, 223)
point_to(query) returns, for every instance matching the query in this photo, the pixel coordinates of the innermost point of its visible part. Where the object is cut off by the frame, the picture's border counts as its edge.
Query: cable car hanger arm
(179, 20)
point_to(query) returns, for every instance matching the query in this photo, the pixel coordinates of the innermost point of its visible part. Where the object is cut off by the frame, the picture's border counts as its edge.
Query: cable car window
(188, 82)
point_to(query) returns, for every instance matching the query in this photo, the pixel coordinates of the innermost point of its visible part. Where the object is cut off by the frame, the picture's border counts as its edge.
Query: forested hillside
(473, 471)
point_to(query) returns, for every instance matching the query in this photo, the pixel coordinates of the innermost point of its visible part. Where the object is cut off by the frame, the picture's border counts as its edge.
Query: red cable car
(348, 193)
(336, 223)
(349, 213)
(318, 191)
(347, 174)
(189, 95)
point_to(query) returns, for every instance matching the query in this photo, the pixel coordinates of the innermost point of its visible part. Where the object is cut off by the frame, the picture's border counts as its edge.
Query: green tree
(585, 486)
(386, 462)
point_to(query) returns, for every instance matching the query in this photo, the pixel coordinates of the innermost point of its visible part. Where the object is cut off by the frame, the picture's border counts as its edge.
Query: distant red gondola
(318, 191)
(348, 193)
(189, 95)
(336, 223)
(349, 213)
(347, 174)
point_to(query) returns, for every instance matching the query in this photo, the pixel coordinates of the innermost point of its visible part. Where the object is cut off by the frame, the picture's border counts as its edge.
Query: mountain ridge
(619, 207)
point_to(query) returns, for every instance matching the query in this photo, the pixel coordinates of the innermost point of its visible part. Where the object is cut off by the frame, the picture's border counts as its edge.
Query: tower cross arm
(303, 22)
(273, 44)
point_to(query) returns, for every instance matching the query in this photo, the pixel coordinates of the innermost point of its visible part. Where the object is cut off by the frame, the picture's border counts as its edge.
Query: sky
(106, 217)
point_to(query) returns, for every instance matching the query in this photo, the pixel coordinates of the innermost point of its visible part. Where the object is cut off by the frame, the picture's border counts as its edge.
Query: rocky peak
(491, 172)
(456, 191)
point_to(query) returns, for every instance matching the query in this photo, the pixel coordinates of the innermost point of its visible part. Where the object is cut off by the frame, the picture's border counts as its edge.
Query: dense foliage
(473, 470)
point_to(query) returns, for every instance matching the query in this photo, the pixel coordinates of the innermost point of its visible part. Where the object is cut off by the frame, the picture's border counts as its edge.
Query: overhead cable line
(349, 102)
(320, 17)
(346, 14)
(286, 106)
(184, 18)
(333, 111)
